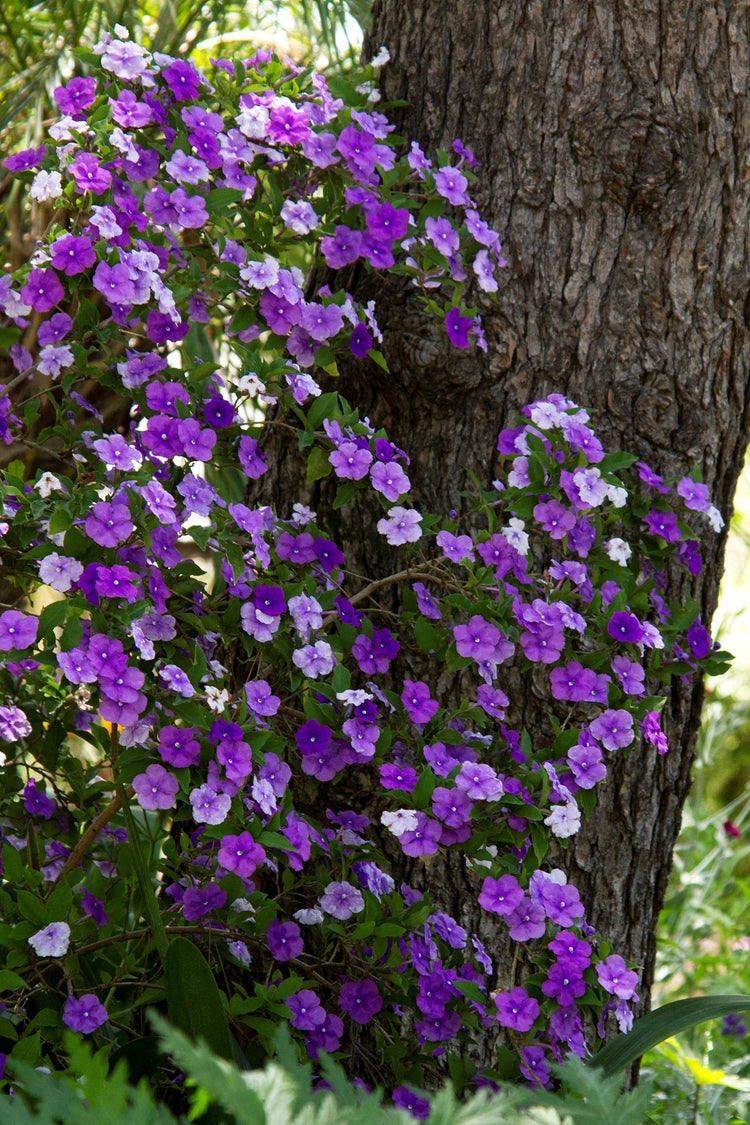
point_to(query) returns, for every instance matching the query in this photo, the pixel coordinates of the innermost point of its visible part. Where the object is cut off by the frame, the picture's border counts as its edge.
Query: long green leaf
(193, 999)
(670, 1019)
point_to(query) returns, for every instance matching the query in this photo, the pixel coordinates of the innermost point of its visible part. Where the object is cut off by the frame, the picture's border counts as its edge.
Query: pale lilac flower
(315, 660)
(209, 807)
(401, 526)
(342, 900)
(564, 820)
(59, 571)
(177, 680)
(13, 725)
(52, 941)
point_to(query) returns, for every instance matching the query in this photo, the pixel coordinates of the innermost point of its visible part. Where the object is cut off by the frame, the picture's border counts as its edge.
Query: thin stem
(390, 580)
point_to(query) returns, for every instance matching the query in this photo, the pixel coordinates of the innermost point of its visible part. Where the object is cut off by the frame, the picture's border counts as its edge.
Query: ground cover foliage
(187, 680)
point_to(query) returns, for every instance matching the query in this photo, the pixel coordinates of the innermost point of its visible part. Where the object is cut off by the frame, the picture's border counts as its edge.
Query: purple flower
(240, 854)
(341, 900)
(72, 255)
(88, 175)
(260, 699)
(535, 1067)
(652, 732)
(84, 1014)
(527, 921)
(405, 1098)
(108, 523)
(624, 626)
(307, 1011)
(694, 495)
(663, 524)
(43, 290)
(613, 728)
(457, 548)
(17, 630)
(417, 701)
(452, 185)
(478, 639)
(451, 806)
(561, 902)
(479, 781)
(199, 901)
(13, 722)
(178, 746)
(426, 604)
(156, 788)
(360, 1000)
(176, 680)
(586, 764)
(501, 896)
(615, 977)
(390, 479)
(183, 80)
(398, 777)
(37, 803)
(422, 840)
(516, 1009)
(209, 807)
(457, 327)
(284, 940)
(94, 908)
(555, 519)
(350, 461)
(699, 640)
(401, 526)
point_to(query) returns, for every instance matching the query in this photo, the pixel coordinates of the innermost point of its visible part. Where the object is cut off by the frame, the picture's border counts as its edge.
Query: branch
(91, 833)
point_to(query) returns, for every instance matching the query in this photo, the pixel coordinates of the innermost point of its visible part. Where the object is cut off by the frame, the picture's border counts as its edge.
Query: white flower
(52, 941)
(617, 496)
(311, 917)
(46, 185)
(47, 484)
(618, 550)
(564, 820)
(383, 56)
(400, 821)
(516, 536)
(302, 515)
(250, 384)
(715, 518)
(243, 906)
(216, 698)
(354, 697)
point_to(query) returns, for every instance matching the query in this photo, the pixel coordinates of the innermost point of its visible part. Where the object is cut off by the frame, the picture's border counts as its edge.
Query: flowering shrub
(187, 680)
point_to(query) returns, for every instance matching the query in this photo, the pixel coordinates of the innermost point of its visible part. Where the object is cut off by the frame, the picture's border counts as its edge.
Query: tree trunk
(613, 137)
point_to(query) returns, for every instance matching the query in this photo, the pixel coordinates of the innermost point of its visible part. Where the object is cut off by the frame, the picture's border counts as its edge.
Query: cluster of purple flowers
(129, 659)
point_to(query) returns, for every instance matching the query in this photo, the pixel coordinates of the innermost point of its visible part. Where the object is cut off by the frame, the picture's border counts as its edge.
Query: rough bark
(613, 137)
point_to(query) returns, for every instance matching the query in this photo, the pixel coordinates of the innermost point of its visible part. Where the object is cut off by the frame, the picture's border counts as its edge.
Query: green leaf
(318, 465)
(52, 616)
(10, 981)
(194, 1002)
(669, 1020)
